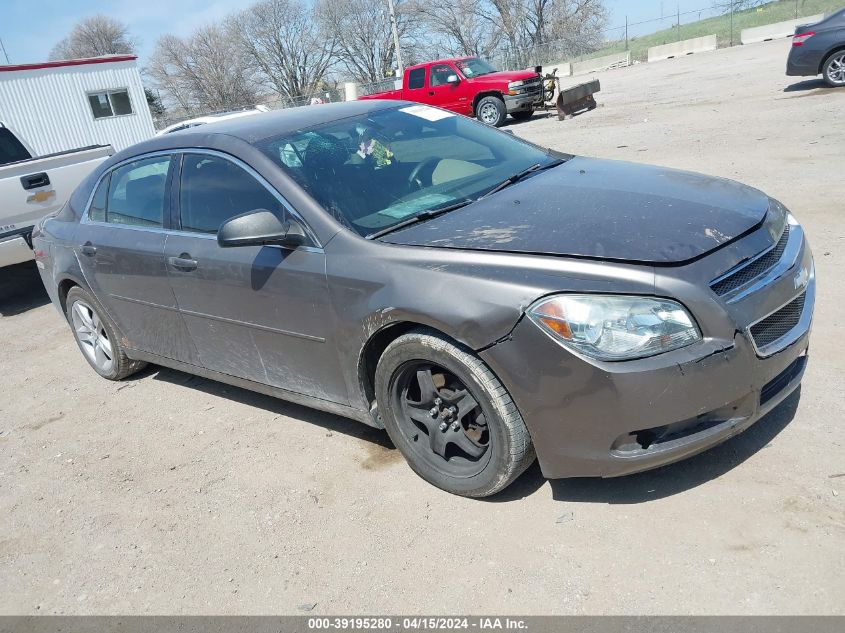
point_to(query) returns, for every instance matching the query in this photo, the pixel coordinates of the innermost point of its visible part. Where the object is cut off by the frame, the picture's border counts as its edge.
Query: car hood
(505, 76)
(600, 209)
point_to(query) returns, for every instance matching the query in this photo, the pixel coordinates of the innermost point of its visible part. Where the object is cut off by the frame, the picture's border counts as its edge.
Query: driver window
(214, 190)
(439, 74)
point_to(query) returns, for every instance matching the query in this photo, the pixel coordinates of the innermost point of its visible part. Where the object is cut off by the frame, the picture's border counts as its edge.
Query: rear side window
(137, 193)
(97, 211)
(11, 149)
(215, 189)
(416, 78)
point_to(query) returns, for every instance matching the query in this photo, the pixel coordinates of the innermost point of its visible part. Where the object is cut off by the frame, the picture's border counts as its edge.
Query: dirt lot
(172, 494)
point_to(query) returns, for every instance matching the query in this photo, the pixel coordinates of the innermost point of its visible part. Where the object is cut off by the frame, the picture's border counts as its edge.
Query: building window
(110, 103)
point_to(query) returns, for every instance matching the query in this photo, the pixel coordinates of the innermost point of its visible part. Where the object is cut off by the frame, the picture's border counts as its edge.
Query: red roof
(105, 59)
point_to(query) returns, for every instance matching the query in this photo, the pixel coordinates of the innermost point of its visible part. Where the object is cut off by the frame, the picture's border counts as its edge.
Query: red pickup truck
(470, 86)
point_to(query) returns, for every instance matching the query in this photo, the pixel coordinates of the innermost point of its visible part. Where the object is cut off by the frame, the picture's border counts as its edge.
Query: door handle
(89, 249)
(431, 93)
(183, 262)
(33, 181)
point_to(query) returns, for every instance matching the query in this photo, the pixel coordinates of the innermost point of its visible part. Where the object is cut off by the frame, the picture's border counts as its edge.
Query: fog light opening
(649, 436)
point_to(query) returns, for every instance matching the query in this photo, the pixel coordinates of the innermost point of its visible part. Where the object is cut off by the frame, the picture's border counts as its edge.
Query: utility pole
(395, 37)
(679, 22)
(5, 54)
(626, 32)
(732, 22)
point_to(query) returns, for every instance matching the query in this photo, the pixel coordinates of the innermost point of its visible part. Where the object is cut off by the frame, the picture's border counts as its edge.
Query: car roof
(253, 129)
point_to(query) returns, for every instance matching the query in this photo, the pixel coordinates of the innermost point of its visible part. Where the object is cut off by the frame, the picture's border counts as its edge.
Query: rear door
(259, 313)
(416, 86)
(120, 248)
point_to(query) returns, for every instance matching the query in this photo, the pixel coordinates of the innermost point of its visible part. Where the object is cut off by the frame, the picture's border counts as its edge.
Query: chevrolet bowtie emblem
(41, 196)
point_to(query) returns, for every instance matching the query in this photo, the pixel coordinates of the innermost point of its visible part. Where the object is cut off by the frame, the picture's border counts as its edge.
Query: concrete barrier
(564, 69)
(679, 49)
(618, 60)
(777, 30)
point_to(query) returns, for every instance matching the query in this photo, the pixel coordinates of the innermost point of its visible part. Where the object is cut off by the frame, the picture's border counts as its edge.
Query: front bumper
(590, 418)
(525, 101)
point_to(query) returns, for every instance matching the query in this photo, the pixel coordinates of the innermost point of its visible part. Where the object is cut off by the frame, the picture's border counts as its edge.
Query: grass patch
(770, 13)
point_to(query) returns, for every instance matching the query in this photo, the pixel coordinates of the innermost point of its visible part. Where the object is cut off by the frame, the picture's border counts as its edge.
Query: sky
(27, 39)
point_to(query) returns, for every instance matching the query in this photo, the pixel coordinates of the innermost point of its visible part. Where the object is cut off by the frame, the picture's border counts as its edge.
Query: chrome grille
(749, 272)
(778, 324)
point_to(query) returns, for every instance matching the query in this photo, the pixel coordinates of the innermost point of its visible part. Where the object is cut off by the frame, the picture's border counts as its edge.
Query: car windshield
(373, 171)
(474, 67)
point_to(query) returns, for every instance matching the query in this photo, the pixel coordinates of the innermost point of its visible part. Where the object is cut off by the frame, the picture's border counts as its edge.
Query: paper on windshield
(426, 112)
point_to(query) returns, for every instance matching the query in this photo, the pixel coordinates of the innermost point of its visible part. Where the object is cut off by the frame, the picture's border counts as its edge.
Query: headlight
(613, 327)
(515, 84)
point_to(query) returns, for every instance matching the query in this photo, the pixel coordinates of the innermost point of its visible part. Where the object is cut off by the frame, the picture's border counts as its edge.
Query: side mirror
(260, 227)
(453, 79)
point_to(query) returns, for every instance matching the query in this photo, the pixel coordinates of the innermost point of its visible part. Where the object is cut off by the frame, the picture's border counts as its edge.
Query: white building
(63, 105)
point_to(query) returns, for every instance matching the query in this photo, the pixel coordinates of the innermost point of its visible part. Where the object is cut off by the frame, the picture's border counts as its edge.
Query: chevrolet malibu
(484, 300)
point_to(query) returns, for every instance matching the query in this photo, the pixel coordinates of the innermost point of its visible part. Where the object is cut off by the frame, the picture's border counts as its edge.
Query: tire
(522, 115)
(97, 337)
(491, 110)
(484, 418)
(833, 69)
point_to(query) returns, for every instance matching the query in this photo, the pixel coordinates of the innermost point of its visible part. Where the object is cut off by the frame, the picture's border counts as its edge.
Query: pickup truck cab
(31, 188)
(472, 87)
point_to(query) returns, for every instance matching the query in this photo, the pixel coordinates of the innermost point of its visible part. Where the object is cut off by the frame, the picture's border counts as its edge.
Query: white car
(212, 118)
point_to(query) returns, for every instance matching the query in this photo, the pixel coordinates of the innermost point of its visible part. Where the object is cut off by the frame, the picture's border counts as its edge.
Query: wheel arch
(486, 93)
(64, 287)
(375, 345)
(836, 49)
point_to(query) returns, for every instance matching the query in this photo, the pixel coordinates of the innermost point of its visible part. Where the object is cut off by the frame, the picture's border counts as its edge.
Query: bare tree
(205, 72)
(548, 27)
(364, 41)
(282, 41)
(462, 26)
(93, 37)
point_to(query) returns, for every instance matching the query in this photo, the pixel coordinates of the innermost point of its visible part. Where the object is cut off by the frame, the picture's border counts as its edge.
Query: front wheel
(834, 69)
(492, 111)
(450, 417)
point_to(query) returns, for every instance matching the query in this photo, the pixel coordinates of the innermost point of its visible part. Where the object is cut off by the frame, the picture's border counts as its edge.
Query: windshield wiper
(525, 172)
(420, 217)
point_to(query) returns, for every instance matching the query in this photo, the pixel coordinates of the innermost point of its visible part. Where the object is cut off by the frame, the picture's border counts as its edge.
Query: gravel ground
(171, 494)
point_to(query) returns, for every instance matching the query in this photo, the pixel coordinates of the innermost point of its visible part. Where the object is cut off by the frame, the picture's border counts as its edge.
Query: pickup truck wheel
(450, 417)
(491, 110)
(522, 115)
(834, 69)
(97, 337)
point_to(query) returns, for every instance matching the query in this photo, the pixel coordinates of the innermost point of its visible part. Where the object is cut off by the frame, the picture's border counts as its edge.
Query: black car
(819, 49)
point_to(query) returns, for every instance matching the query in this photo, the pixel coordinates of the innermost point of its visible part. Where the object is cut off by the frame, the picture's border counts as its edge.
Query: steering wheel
(415, 182)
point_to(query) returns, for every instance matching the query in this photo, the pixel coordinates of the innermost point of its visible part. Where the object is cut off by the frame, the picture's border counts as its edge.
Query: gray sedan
(819, 49)
(482, 299)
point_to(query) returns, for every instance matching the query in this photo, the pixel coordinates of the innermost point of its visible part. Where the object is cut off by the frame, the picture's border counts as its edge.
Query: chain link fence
(724, 19)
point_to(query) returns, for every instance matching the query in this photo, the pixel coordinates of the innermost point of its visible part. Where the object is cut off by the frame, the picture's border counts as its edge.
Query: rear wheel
(834, 69)
(522, 115)
(450, 417)
(491, 110)
(97, 337)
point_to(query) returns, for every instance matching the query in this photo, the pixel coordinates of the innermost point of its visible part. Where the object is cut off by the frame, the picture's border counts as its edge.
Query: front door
(260, 313)
(121, 253)
(453, 96)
